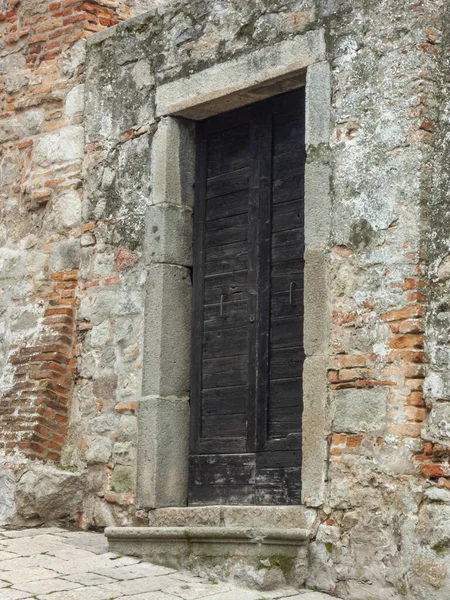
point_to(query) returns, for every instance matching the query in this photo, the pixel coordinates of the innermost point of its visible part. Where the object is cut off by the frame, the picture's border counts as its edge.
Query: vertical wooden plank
(263, 249)
(253, 269)
(198, 283)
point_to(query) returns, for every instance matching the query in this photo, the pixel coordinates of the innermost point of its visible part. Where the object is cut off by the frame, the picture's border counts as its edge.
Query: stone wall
(383, 529)
(42, 54)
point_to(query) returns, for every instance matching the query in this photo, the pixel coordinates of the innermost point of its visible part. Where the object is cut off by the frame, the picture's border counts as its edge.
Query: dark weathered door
(247, 355)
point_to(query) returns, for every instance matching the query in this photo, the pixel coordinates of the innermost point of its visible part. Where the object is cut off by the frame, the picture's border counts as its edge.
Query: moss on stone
(283, 562)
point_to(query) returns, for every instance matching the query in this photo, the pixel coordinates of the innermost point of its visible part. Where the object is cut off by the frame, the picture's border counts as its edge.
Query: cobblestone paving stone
(55, 564)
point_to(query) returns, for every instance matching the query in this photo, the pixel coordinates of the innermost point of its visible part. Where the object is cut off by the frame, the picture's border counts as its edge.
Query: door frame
(163, 416)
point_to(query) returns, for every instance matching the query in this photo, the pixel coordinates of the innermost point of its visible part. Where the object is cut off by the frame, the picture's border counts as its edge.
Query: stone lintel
(231, 84)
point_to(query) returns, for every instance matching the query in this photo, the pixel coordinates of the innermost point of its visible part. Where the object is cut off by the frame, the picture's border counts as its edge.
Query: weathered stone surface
(173, 162)
(439, 424)
(318, 113)
(260, 558)
(360, 410)
(166, 368)
(99, 451)
(65, 256)
(234, 516)
(67, 210)
(169, 235)
(64, 146)
(122, 98)
(376, 210)
(123, 479)
(7, 503)
(314, 420)
(45, 493)
(434, 525)
(317, 204)
(185, 96)
(316, 327)
(163, 451)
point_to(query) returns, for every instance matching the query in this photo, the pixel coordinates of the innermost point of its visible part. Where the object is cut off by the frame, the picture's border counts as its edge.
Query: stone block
(234, 516)
(65, 256)
(434, 525)
(120, 97)
(359, 410)
(99, 452)
(166, 367)
(112, 303)
(163, 450)
(186, 96)
(317, 204)
(317, 309)
(260, 558)
(194, 516)
(314, 428)
(64, 146)
(173, 162)
(10, 129)
(123, 479)
(46, 493)
(67, 210)
(74, 102)
(318, 104)
(436, 494)
(127, 430)
(119, 188)
(168, 236)
(105, 388)
(7, 489)
(124, 453)
(438, 426)
(33, 121)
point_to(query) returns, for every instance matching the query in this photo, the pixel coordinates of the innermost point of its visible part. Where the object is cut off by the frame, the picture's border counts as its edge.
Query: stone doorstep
(282, 517)
(243, 535)
(262, 558)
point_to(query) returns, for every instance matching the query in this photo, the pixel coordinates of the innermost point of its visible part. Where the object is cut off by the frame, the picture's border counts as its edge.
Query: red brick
(415, 399)
(353, 441)
(433, 470)
(411, 326)
(342, 361)
(414, 310)
(407, 429)
(411, 340)
(414, 413)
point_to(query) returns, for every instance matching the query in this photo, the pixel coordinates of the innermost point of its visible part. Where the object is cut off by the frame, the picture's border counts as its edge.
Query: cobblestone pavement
(55, 564)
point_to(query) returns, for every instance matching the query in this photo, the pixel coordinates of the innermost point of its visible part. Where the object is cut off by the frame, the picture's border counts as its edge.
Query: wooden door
(247, 349)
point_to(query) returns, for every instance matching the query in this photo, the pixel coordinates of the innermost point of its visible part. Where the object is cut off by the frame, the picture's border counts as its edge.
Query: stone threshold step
(246, 535)
(233, 516)
(264, 558)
